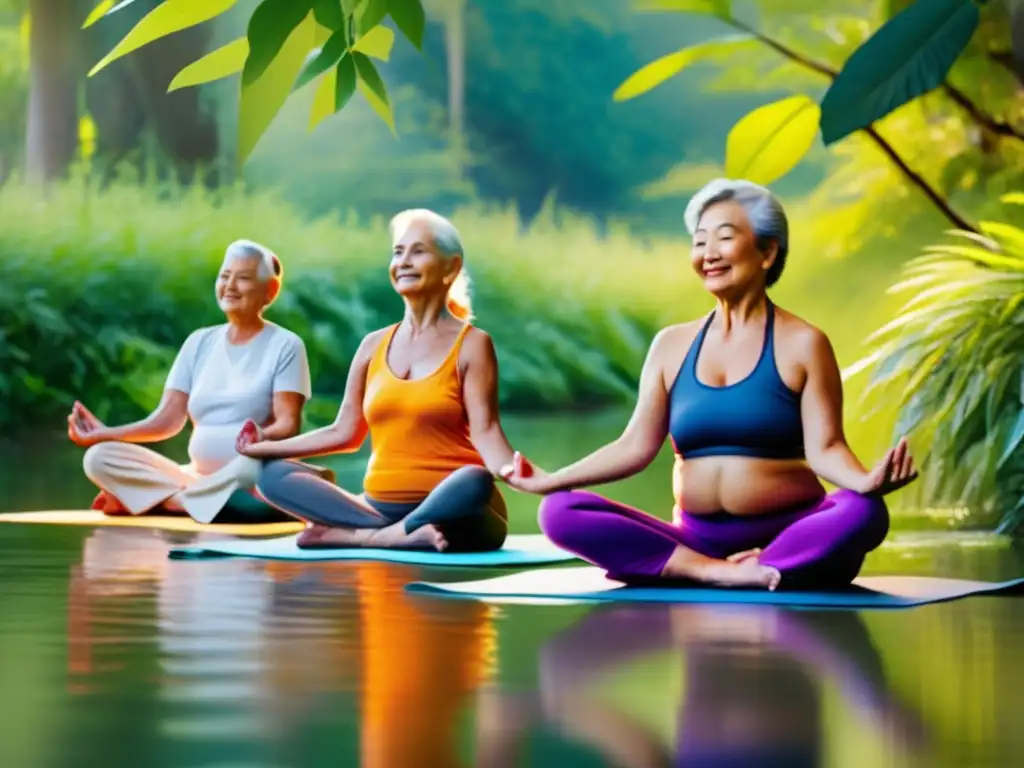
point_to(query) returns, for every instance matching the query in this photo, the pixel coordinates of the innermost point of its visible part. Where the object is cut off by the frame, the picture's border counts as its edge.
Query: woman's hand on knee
(524, 476)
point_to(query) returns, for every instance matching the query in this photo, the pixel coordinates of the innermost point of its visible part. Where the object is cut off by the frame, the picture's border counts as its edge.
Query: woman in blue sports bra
(751, 398)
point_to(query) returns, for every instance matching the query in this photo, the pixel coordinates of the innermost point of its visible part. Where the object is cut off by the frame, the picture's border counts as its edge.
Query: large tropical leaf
(262, 100)
(908, 56)
(658, 71)
(271, 24)
(768, 142)
(167, 18)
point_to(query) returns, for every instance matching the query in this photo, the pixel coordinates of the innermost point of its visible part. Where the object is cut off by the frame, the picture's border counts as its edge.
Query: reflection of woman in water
(752, 682)
(752, 400)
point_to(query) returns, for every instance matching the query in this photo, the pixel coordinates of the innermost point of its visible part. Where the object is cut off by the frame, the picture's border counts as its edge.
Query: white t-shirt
(227, 384)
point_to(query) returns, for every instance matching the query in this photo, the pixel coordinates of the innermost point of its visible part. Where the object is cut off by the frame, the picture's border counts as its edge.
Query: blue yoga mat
(534, 549)
(582, 584)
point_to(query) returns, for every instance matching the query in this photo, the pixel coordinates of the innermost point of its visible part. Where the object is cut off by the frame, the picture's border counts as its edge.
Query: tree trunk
(52, 129)
(455, 39)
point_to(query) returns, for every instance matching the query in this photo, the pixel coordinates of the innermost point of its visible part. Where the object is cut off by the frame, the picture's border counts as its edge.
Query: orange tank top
(419, 430)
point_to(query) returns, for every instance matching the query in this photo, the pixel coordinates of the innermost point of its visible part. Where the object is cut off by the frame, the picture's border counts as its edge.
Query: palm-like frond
(953, 360)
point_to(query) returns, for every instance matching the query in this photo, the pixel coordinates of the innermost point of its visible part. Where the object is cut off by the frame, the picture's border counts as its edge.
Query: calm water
(115, 655)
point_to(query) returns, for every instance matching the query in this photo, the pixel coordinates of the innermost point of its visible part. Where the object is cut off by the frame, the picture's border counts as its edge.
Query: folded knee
(475, 484)
(97, 459)
(558, 513)
(868, 515)
(271, 474)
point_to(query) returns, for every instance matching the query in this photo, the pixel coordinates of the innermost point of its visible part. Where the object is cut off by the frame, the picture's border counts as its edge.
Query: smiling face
(239, 289)
(418, 268)
(725, 250)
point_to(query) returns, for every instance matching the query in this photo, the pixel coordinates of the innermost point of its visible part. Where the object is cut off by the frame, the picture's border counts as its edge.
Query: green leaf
(263, 99)
(768, 143)
(345, 85)
(372, 87)
(223, 62)
(329, 13)
(410, 19)
(334, 92)
(1014, 440)
(719, 8)
(98, 13)
(658, 71)
(323, 99)
(270, 26)
(167, 18)
(369, 14)
(105, 8)
(324, 59)
(377, 43)
(908, 56)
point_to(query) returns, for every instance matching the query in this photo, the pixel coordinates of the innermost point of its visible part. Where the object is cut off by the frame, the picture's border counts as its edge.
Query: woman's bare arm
(480, 397)
(640, 441)
(349, 429)
(825, 446)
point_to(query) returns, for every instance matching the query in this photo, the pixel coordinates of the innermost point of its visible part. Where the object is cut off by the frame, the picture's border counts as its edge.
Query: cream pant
(141, 479)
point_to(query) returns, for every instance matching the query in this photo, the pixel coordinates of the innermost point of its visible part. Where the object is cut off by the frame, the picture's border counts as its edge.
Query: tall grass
(102, 285)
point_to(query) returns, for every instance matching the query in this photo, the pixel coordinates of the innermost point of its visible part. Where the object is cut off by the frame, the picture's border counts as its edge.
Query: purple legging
(822, 545)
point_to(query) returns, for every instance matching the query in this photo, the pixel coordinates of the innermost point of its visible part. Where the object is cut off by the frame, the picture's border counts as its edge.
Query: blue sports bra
(758, 416)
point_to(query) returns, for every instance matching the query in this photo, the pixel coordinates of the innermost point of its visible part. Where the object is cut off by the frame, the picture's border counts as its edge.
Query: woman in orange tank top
(425, 391)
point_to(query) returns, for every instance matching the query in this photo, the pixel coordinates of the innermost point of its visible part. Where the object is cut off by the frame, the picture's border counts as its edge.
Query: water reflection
(280, 663)
(698, 685)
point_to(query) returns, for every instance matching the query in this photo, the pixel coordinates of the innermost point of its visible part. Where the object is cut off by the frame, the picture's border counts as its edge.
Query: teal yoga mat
(586, 583)
(532, 549)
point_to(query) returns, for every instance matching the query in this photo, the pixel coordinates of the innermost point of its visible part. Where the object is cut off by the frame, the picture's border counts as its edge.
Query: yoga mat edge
(182, 524)
(528, 549)
(585, 584)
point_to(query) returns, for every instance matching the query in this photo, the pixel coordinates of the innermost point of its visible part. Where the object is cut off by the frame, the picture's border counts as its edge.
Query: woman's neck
(425, 314)
(241, 330)
(742, 310)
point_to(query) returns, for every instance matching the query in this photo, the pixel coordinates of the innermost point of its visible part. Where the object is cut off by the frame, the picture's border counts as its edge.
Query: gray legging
(460, 506)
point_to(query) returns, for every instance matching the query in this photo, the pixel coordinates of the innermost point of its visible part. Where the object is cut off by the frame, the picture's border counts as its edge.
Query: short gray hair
(764, 212)
(269, 265)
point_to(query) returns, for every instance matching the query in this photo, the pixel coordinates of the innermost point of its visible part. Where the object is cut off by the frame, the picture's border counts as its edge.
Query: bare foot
(395, 537)
(739, 557)
(747, 572)
(111, 506)
(317, 535)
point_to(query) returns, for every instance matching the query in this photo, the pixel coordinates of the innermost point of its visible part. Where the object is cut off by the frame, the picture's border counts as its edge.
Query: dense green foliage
(953, 361)
(96, 303)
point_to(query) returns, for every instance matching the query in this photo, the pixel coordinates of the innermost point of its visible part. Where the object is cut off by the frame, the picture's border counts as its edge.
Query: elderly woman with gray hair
(752, 400)
(425, 391)
(247, 370)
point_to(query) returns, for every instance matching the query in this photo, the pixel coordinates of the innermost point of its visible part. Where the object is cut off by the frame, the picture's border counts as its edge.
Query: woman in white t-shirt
(224, 375)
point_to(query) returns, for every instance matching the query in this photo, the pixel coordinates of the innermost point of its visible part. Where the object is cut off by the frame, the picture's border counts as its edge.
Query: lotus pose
(752, 400)
(245, 370)
(425, 390)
